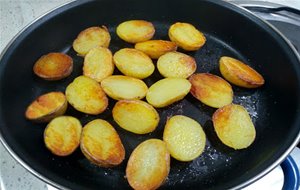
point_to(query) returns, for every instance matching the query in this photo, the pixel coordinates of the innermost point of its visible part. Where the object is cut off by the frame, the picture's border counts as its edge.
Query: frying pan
(231, 31)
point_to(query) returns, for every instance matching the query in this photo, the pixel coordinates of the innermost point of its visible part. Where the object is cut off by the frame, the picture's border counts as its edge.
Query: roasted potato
(86, 95)
(98, 64)
(62, 135)
(167, 91)
(46, 107)
(176, 64)
(90, 38)
(121, 87)
(186, 36)
(156, 48)
(101, 144)
(185, 138)
(148, 165)
(233, 126)
(239, 73)
(134, 31)
(133, 63)
(135, 116)
(211, 90)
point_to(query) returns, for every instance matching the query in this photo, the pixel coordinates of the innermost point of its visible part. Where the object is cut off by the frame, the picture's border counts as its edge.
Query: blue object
(291, 174)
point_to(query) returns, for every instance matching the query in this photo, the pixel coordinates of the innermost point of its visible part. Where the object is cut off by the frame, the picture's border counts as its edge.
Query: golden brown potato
(90, 38)
(62, 135)
(167, 91)
(98, 64)
(121, 87)
(239, 73)
(156, 48)
(134, 31)
(135, 116)
(133, 63)
(86, 95)
(185, 138)
(211, 90)
(101, 144)
(46, 107)
(233, 126)
(148, 165)
(186, 36)
(176, 64)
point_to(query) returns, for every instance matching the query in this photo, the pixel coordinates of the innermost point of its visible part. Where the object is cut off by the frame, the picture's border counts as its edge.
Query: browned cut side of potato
(101, 144)
(98, 64)
(46, 107)
(156, 48)
(135, 116)
(134, 31)
(233, 126)
(148, 165)
(176, 64)
(239, 73)
(90, 38)
(86, 95)
(186, 36)
(211, 90)
(53, 66)
(133, 63)
(62, 135)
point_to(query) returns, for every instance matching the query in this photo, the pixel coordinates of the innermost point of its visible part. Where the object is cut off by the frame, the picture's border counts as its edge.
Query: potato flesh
(156, 48)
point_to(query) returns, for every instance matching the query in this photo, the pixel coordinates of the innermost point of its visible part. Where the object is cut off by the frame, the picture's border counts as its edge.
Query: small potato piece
(121, 87)
(176, 64)
(134, 31)
(233, 126)
(135, 116)
(53, 66)
(186, 36)
(167, 91)
(98, 64)
(62, 135)
(148, 165)
(156, 48)
(46, 107)
(86, 95)
(211, 90)
(90, 38)
(239, 73)
(133, 63)
(185, 138)
(101, 144)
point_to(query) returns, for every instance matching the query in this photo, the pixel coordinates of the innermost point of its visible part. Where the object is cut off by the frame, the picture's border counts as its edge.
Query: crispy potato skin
(148, 165)
(134, 31)
(240, 74)
(156, 48)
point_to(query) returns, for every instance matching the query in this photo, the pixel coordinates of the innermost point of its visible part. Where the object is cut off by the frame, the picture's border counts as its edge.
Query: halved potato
(211, 89)
(90, 38)
(167, 91)
(86, 95)
(156, 48)
(53, 66)
(121, 87)
(62, 135)
(185, 138)
(46, 107)
(101, 144)
(133, 63)
(98, 64)
(186, 36)
(176, 64)
(135, 116)
(134, 31)
(148, 165)
(233, 126)
(239, 73)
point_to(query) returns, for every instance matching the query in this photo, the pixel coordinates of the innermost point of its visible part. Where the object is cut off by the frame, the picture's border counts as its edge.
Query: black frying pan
(231, 31)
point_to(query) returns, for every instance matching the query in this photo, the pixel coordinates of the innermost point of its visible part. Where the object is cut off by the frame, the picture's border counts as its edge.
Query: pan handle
(272, 10)
(291, 174)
